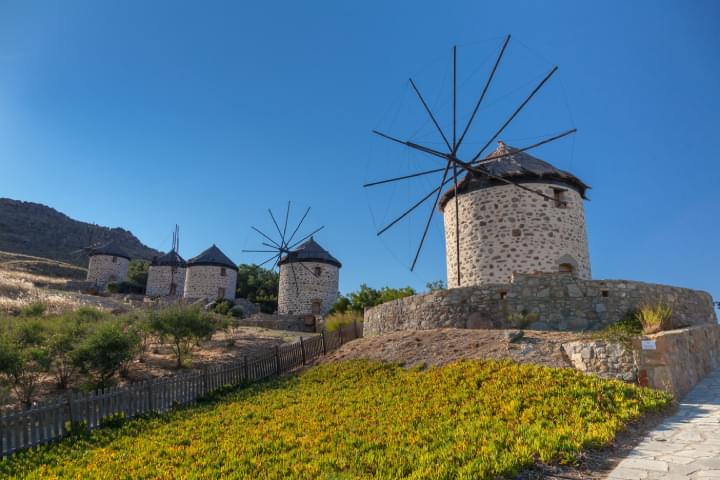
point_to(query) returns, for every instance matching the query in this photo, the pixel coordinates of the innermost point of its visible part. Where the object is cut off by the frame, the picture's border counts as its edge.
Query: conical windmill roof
(517, 166)
(310, 251)
(111, 248)
(170, 259)
(212, 256)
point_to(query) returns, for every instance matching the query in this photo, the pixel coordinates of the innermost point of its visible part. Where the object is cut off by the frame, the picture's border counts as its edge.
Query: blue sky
(146, 114)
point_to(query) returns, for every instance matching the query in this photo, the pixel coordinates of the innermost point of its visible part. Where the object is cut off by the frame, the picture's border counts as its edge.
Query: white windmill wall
(310, 288)
(205, 281)
(161, 277)
(506, 230)
(104, 269)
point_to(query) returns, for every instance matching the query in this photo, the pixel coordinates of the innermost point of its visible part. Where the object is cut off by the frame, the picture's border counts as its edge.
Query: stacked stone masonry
(605, 359)
(300, 288)
(208, 281)
(505, 230)
(557, 301)
(104, 269)
(161, 279)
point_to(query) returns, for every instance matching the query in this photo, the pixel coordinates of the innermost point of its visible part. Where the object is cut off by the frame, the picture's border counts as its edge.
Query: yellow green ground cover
(362, 419)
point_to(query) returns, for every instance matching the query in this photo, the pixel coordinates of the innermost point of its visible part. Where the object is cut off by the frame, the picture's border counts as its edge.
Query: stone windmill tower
(166, 275)
(108, 263)
(504, 229)
(309, 278)
(211, 275)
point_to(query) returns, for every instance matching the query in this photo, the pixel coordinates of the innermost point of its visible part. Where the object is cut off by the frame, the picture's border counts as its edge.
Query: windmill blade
(517, 110)
(270, 239)
(412, 145)
(480, 171)
(482, 95)
(454, 100)
(269, 260)
(311, 272)
(429, 112)
(298, 225)
(297, 288)
(477, 162)
(287, 215)
(258, 251)
(430, 217)
(409, 210)
(457, 224)
(282, 240)
(305, 237)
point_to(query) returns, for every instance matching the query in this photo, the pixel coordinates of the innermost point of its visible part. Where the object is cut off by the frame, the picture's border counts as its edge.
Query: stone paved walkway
(684, 446)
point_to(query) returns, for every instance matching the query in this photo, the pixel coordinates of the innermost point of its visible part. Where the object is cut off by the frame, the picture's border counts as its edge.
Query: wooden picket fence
(52, 420)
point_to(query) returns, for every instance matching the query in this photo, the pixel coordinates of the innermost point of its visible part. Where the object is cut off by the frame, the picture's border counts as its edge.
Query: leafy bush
(655, 318)
(183, 326)
(23, 360)
(222, 306)
(480, 420)
(34, 309)
(105, 351)
(336, 320)
(622, 331)
(366, 297)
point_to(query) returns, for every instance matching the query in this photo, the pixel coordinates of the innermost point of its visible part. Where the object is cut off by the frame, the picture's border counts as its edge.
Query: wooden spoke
(430, 217)
(429, 112)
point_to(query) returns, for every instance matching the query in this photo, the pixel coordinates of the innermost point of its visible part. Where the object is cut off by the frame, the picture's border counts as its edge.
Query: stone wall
(104, 269)
(556, 301)
(679, 359)
(506, 230)
(299, 288)
(605, 359)
(295, 323)
(206, 281)
(161, 277)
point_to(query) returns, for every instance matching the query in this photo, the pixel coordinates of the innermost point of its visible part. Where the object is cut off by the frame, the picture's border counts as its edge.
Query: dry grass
(655, 318)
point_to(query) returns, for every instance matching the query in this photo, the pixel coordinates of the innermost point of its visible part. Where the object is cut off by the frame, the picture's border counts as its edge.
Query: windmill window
(605, 293)
(221, 292)
(503, 295)
(223, 272)
(566, 268)
(559, 196)
(317, 271)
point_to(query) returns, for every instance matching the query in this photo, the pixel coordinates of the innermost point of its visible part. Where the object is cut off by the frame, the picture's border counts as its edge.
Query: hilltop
(38, 230)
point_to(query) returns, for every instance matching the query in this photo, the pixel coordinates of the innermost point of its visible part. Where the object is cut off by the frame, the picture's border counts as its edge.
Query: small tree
(183, 327)
(105, 351)
(64, 338)
(23, 365)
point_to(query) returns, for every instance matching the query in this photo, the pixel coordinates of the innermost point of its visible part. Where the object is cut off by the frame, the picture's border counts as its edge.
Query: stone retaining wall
(551, 301)
(295, 323)
(602, 358)
(679, 359)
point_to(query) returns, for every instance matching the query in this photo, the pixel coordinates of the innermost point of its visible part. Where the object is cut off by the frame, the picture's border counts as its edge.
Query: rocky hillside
(35, 229)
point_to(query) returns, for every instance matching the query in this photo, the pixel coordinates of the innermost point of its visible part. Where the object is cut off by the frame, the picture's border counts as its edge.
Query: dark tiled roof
(170, 259)
(212, 256)
(112, 248)
(310, 251)
(519, 167)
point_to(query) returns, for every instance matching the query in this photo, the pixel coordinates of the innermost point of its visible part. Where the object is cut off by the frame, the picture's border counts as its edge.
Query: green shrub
(104, 351)
(34, 309)
(622, 331)
(655, 318)
(222, 307)
(23, 362)
(183, 326)
(336, 320)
